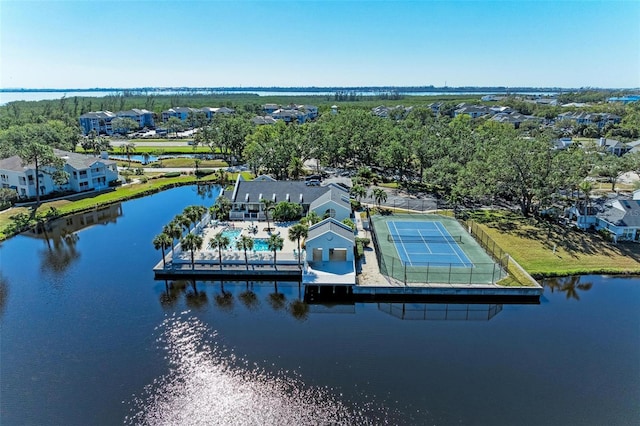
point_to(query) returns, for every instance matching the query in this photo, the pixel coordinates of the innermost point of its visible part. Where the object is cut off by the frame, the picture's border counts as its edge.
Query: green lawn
(531, 243)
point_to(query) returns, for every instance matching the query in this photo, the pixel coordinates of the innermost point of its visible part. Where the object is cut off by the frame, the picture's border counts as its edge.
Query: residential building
(210, 112)
(85, 173)
(619, 217)
(259, 120)
(330, 200)
(143, 117)
(587, 118)
(97, 121)
(181, 113)
(474, 111)
(330, 241)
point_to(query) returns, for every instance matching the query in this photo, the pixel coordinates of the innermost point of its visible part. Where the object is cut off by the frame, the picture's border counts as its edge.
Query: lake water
(88, 337)
(6, 97)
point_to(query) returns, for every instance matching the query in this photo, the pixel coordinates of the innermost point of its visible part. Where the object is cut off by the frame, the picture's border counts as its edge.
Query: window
(22, 180)
(330, 213)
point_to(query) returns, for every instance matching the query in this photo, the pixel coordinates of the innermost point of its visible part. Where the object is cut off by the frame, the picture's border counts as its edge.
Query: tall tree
(245, 243)
(220, 242)
(268, 206)
(162, 242)
(296, 233)
(275, 243)
(128, 149)
(192, 242)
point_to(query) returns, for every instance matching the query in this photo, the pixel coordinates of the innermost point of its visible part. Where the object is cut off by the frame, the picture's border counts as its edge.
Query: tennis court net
(429, 239)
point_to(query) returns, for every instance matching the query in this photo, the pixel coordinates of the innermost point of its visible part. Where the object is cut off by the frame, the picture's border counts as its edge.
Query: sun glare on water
(207, 385)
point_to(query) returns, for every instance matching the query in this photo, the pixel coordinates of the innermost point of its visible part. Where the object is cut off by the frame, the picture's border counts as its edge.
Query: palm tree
(586, 187)
(245, 243)
(379, 195)
(194, 213)
(220, 242)
(275, 243)
(268, 205)
(145, 157)
(311, 218)
(296, 233)
(192, 242)
(162, 242)
(174, 230)
(128, 149)
(183, 221)
(359, 192)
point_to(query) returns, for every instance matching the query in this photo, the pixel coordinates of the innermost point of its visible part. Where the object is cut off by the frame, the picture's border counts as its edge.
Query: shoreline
(192, 180)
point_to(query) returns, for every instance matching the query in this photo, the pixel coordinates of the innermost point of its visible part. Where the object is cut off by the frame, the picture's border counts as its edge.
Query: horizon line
(311, 88)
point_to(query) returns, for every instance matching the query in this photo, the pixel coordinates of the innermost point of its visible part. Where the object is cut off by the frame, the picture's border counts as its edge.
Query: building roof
(98, 114)
(333, 226)
(80, 161)
(333, 194)
(292, 191)
(13, 164)
(624, 213)
(75, 160)
(134, 112)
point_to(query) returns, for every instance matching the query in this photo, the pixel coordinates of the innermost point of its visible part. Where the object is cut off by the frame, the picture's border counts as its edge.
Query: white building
(85, 173)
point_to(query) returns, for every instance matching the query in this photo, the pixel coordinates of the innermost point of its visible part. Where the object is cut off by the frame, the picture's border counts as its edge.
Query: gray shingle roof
(98, 114)
(80, 161)
(629, 215)
(331, 225)
(333, 194)
(253, 191)
(77, 161)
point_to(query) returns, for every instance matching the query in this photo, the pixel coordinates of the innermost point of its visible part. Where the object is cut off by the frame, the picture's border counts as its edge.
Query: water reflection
(60, 236)
(208, 385)
(4, 294)
(568, 285)
(441, 311)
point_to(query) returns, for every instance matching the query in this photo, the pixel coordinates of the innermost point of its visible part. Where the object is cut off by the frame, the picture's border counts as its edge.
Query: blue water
(88, 337)
(152, 158)
(259, 244)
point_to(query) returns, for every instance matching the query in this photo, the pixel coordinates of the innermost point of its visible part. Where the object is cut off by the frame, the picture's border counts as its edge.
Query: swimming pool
(259, 244)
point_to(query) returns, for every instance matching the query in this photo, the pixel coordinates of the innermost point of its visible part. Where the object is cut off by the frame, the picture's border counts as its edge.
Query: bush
(171, 174)
(204, 172)
(364, 241)
(359, 249)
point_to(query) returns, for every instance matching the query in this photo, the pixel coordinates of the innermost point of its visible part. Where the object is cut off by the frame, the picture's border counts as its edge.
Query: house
(211, 112)
(474, 111)
(259, 120)
(143, 117)
(97, 121)
(613, 146)
(562, 143)
(330, 241)
(270, 108)
(247, 195)
(516, 119)
(289, 115)
(181, 113)
(85, 173)
(587, 118)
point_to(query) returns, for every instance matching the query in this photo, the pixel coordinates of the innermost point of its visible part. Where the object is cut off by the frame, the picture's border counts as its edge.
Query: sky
(184, 43)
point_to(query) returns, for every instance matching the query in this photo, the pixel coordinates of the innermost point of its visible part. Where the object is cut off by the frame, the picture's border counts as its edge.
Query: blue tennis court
(427, 243)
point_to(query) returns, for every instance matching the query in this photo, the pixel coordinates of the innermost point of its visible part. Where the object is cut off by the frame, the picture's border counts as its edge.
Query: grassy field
(91, 200)
(531, 243)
